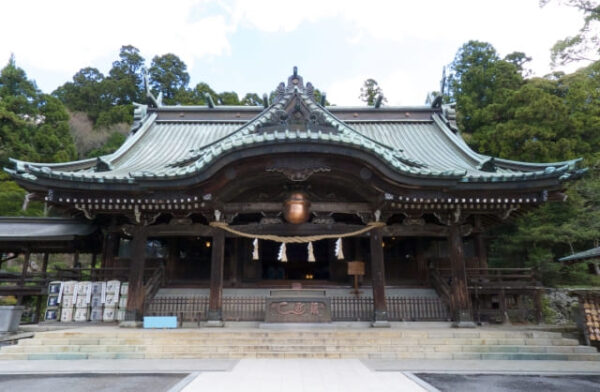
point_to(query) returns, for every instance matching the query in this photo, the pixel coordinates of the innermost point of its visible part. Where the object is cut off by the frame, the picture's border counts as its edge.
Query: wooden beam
(215, 301)
(380, 318)
(135, 301)
(193, 230)
(461, 302)
(343, 207)
(426, 230)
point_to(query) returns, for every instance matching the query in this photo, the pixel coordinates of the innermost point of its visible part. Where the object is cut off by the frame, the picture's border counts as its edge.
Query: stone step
(113, 343)
(302, 354)
(258, 347)
(303, 334)
(43, 341)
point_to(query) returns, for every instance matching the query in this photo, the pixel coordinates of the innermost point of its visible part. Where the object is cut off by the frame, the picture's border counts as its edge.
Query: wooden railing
(98, 274)
(495, 276)
(33, 283)
(194, 309)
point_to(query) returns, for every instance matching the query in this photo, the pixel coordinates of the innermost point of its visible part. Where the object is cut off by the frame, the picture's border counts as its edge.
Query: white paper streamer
(339, 249)
(282, 253)
(311, 253)
(255, 250)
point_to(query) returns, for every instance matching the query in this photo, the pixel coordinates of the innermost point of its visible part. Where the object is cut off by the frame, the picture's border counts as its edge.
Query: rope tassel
(282, 253)
(255, 249)
(339, 249)
(311, 253)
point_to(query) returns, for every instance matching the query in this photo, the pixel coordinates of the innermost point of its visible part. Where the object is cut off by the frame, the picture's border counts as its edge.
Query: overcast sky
(250, 46)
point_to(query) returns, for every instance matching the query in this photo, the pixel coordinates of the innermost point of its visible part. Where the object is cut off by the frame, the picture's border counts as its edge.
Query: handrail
(442, 288)
(153, 285)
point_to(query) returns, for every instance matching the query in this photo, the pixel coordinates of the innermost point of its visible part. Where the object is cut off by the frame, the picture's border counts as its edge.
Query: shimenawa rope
(296, 239)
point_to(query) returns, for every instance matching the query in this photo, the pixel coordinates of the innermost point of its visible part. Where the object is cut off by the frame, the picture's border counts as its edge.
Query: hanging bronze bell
(296, 208)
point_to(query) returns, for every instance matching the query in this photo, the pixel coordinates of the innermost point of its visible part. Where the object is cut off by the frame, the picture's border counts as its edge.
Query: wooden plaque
(356, 268)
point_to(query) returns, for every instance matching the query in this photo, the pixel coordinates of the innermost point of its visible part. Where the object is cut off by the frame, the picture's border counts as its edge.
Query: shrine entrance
(297, 264)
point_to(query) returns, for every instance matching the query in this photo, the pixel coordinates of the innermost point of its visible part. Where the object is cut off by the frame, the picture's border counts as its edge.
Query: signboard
(356, 268)
(298, 310)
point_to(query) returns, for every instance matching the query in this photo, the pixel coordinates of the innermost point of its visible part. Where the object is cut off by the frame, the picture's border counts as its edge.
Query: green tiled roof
(166, 148)
(586, 254)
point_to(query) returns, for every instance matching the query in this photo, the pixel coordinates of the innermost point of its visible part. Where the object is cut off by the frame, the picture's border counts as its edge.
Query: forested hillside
(502, 111)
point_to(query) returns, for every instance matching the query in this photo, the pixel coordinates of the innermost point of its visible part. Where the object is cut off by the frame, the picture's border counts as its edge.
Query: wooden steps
(479, 344)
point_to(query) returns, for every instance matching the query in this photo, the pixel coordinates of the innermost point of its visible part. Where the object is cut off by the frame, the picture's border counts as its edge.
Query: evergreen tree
(168, 75)
(34, 127)
(370, 91)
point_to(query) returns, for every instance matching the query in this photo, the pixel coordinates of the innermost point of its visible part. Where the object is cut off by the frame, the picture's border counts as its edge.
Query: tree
(585, 45)
(478, 79)
(229, 98)
(168, 74)
(33, 127)
(370, 91)
(126, 77)
(112, 144)
(251, 99)
(86, 93)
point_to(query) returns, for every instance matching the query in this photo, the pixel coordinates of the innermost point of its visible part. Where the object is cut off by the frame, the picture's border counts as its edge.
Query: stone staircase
(228, 343)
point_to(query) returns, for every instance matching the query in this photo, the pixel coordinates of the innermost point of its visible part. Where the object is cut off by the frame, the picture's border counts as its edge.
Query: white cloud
(68, 35)
(61, 36)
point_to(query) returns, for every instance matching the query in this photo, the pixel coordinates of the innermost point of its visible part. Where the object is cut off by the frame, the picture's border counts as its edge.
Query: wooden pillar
(172, 258)
(480, 248)
(234, 255)
(380, 318)
(461, 302)
(109, 250)
(422, 271)
(93, 270)
(215, 301)
(244, 254)
(45, 266)
(26, 261)
(136, 295)
(538, 305)
(503, 308)
(94, 261)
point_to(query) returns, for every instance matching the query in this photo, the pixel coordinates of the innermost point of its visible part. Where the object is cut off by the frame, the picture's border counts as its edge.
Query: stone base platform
(400, 341)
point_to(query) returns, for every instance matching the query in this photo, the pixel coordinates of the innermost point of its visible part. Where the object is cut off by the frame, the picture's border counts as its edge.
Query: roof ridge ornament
(156, 100)
(140, 111)
(295, 80)
(488, 165)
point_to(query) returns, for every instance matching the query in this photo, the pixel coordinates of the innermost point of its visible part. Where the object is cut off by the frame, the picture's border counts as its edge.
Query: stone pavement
(288, 375)
(298, 375)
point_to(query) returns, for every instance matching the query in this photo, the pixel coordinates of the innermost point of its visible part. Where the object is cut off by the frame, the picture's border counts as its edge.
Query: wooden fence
(195, 309)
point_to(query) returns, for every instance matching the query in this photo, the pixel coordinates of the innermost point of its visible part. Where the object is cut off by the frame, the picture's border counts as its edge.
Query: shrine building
(285, 195)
